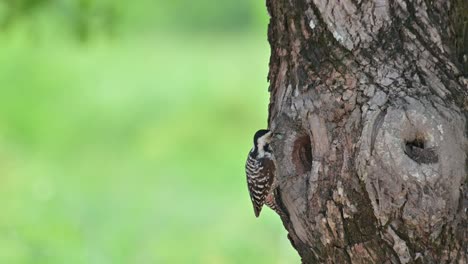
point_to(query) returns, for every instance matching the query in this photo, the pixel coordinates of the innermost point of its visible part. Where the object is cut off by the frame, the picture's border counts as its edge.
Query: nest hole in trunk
(417, 149)
(302, 154)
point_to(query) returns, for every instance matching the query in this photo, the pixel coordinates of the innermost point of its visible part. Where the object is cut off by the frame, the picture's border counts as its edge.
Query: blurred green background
(124, 128)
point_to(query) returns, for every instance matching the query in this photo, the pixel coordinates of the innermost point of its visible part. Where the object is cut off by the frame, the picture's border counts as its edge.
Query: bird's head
(262, 141)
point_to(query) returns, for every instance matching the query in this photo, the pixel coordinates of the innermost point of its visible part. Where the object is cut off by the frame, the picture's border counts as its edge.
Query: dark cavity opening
(302, 154)
(417, 142)
(417, 150)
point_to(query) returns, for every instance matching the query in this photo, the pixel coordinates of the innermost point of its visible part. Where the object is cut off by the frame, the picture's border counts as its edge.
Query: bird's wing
(259, 182)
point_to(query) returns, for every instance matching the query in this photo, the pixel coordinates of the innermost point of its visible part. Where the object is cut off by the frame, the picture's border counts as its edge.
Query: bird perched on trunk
(261, 170)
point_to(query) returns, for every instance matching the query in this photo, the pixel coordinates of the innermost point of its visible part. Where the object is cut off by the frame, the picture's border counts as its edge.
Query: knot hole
(302, 154)
(416, 148)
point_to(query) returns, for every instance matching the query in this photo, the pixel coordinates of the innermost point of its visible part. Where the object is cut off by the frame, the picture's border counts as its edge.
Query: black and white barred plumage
(260, 169)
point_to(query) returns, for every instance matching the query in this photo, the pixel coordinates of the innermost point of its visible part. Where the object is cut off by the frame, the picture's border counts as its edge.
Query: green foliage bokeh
(88, 17)
(124, 128)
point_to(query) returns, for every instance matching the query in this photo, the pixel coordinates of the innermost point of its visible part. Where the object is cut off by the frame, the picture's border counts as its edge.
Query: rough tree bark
(369, 100)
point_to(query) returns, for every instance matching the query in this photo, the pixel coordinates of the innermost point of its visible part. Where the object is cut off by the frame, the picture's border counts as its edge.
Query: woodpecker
(260, 169)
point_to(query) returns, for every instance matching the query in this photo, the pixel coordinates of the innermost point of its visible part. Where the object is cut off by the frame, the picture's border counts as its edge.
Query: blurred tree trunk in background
(370, 98)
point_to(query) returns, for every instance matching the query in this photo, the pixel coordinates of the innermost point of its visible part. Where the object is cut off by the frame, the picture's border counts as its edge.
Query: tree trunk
(369, 100)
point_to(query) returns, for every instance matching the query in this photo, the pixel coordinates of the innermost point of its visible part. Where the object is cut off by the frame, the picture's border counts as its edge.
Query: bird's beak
(277, 135)
(269, 136)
